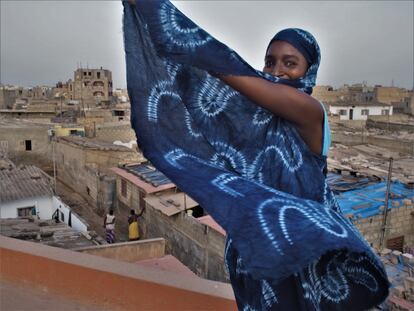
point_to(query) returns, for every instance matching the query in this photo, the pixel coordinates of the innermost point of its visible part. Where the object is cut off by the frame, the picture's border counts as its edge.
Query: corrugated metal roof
(147, 187)
(170, 203)
(22, 183)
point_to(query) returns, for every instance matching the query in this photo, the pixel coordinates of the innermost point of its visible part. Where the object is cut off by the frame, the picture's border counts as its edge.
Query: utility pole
(387, 194)
(54, 162)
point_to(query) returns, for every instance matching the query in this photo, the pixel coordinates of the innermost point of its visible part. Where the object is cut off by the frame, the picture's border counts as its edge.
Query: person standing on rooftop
(251, 147)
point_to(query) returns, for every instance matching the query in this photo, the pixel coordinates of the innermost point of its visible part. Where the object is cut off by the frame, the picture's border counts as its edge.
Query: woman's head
(292, 54)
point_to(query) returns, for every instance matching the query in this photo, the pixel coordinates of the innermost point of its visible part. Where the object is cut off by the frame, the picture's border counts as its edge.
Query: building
(83, 164)
(8, 96)
(192, 236)
(365, 207)
(404, 106)
(359, 110)
(90, 86)
(391, 94)
(25, 142)
(359, 92)
(26, 191)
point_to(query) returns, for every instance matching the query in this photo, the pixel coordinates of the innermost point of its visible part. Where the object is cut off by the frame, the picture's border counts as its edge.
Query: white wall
(357, 111)
(77, 223)
(44, 207)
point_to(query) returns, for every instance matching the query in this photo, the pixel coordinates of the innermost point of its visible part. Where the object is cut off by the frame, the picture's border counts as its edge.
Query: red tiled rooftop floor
(18, 297)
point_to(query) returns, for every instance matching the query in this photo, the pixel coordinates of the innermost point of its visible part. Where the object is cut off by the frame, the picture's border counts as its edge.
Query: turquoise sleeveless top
(326, 133)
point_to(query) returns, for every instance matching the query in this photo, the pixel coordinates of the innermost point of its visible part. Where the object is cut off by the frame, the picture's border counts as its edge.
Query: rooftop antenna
(392, 82)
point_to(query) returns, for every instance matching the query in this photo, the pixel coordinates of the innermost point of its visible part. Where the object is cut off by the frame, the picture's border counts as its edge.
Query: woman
(250, 147)
(109, 225)
(133, 230)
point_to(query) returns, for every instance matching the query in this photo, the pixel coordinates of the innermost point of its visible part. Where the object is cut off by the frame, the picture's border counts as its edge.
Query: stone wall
(389, 126)
(196, 245)
(400, 222)
(399, 145)
(128, 251)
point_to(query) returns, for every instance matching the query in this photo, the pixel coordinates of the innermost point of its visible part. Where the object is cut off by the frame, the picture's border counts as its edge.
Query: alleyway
(90, 214)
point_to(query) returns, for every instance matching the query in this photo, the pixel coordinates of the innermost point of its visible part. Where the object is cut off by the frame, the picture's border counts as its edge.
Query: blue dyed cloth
(288, 247)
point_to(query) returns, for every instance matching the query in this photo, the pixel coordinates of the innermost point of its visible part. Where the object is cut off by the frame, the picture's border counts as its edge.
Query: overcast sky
(43, 42)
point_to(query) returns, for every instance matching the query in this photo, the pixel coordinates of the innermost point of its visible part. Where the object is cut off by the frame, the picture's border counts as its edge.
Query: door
(351, 114)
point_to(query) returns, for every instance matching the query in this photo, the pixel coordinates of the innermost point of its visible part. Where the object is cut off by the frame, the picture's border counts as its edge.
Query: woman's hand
(131, 2)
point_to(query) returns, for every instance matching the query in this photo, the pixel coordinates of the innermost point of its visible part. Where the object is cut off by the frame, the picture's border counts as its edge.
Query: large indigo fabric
(248, 168)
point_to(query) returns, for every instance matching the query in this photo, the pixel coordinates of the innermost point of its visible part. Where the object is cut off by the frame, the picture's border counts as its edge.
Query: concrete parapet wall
(389, 126)
(399, 145)
(128, 251)
(195, 244)
(118, 285)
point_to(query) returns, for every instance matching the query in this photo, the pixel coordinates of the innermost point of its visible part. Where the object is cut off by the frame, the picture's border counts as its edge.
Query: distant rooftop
(142, 179)
(46, 232)
(148, 173)
(23, 182)
(369, 201)
(20, 123)
(94, 144)
(359, 103)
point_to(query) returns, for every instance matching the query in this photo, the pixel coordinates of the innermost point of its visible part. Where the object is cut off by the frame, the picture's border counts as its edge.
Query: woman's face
(283, 60)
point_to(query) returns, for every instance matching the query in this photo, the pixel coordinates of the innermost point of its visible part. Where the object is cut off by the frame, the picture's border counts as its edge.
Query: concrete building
(9, 95)
(26, 191)
(91, 86)
(360, 92)
(404, 106)
(197, 241)
(359, 110)
(83, 164)
(365, 207)
(391, 94)
(25, 142)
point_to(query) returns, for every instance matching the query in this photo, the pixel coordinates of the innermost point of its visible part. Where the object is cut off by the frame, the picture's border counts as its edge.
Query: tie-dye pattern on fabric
(288, 247)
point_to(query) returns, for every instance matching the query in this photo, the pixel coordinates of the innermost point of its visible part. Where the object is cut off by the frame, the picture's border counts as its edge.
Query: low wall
(399, 145)
(128, 251)
(389, 126)
(118, 285)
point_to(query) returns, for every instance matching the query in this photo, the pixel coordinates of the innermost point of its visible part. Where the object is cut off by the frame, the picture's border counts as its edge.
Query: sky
(43, 42)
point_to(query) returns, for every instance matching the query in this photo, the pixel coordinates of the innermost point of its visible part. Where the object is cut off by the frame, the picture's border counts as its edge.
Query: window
(84, 73)
(123, 187)
(62, 217)
(343, 112)
(385, 112)
(88, 191)
(28, 145)
(365, 112)
(25, 211)
(98, 74)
